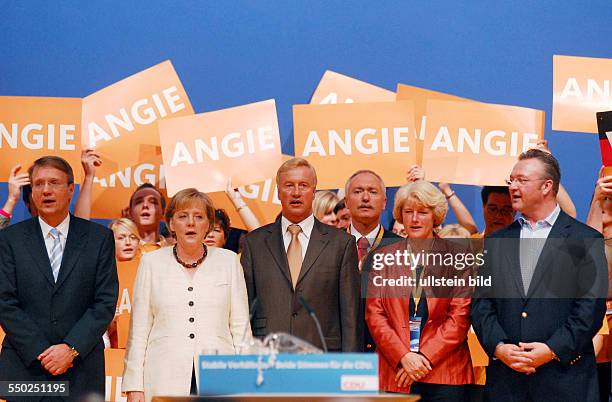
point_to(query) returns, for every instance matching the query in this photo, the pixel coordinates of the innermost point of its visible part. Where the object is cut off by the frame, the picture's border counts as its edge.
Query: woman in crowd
(454, 231)
(217, 237)
(436, 363)
(127, 248)
(323, 207)
(187, 298)
(127, 239)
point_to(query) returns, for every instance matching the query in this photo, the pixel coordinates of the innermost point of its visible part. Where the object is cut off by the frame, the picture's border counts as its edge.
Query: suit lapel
(561, 229)
(512, 251)
(39, 250)
(274, 242)
(76, 241)
(317, 242)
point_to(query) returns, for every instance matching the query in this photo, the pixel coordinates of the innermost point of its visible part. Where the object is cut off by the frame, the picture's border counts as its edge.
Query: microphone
(251, 315)
(316, 320)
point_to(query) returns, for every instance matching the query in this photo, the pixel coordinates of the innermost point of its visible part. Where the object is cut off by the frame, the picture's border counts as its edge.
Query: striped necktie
(56, 253)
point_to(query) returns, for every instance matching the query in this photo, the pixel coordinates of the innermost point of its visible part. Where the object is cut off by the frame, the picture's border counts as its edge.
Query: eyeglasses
(521, 181)
(493, 210)
(54, 185)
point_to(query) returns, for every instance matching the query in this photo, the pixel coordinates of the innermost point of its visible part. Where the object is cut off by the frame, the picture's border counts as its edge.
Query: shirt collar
(62, 227)
(549, 221)
(370, 236)
(306, 225)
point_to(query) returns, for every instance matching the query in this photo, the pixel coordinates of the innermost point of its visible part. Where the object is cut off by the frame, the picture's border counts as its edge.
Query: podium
(284, 374)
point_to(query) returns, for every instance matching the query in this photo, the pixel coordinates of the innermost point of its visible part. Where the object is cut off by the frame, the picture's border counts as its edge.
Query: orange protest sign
(31, 127)
(113, 365)
(205, 150)
(261, 198)
(126, 273)
(477, 143)
(120, 122)
(581, 87)
(337, 88)
(419, 97)
(341, 139)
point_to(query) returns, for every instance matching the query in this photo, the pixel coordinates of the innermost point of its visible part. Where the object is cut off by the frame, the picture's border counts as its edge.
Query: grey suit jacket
(328, 281)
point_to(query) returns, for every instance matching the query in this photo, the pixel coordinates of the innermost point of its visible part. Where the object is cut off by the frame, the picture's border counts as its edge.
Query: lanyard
(417, 290)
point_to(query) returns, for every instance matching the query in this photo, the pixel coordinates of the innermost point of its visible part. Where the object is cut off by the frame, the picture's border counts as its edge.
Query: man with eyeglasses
(58, 288)
(546, 299)
(497, 209)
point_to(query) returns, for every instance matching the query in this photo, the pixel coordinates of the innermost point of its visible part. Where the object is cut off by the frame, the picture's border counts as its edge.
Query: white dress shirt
(304, 236)
(542, 228)
(370, 236)
(62, 228)
(533, 238)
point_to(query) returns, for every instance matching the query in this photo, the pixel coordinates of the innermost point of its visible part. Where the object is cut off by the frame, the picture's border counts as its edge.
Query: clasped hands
(414, 367)
(524, 357)
(57, 359)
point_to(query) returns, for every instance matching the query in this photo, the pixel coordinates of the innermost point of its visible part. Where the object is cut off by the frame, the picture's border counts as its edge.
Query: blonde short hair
(295, 163)
(424, 193)
(455, 231)
(323, 203)
(125, 223)
(190, 196)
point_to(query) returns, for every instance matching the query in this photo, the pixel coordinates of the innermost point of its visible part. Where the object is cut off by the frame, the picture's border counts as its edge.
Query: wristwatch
(74, 353)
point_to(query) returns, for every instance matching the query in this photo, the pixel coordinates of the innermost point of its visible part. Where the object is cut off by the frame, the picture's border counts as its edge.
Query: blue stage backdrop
(232, 53)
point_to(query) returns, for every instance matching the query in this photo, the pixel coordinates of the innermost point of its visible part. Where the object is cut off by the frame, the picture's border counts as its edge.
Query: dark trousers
(440, 393)
(604, 372)
(194, 385)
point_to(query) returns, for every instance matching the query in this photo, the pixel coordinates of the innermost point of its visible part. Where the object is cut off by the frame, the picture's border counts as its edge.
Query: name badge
(415, 333)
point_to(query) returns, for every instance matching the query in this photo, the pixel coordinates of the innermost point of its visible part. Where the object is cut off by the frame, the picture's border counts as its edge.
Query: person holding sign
(187, 298)
(546, 301)
(420, 330)
(298, 267)
(146, 209)
(16, 181)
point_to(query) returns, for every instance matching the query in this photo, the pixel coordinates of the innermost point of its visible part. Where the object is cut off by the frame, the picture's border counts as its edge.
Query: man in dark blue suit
(547, 297)
(58, 289)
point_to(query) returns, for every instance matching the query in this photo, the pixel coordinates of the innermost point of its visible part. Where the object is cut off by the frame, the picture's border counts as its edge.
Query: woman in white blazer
(186, 299)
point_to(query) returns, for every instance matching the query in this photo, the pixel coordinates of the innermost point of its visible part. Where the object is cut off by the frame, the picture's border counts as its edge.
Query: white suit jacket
(175, 317)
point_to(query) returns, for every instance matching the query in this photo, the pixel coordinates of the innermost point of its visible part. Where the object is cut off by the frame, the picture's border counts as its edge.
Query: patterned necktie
(362, 247)
(294, 253)
(56, 253)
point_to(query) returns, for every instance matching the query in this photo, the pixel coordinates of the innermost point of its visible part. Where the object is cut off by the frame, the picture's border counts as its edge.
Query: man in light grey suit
(297, 257)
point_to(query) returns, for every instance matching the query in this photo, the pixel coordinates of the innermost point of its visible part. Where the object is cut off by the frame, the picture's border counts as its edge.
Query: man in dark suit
(58, 289)
(366, 198)
(298, 257)
(547, 296)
